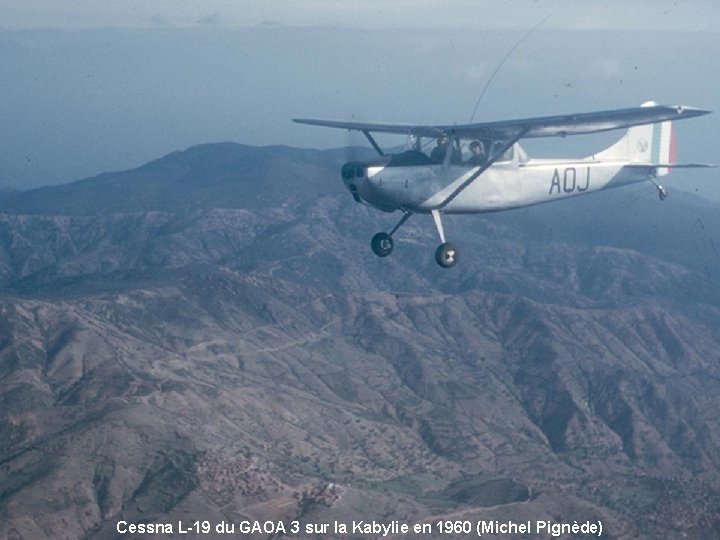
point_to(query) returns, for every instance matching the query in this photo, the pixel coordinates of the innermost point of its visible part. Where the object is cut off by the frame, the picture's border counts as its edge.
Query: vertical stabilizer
(649, 144)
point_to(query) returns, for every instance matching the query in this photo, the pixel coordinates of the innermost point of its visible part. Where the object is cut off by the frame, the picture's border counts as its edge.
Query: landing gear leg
(382, 243)
(446, 254)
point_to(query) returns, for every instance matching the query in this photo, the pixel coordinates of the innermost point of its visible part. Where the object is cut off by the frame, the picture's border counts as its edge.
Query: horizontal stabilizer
(672, 165)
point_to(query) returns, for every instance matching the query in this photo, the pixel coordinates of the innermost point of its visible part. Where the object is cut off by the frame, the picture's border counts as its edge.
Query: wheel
(663, 194)
(382, 244)
(446, 255)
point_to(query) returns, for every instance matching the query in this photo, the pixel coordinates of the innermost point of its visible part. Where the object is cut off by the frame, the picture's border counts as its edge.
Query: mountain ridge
(260, 362)
(201, 176)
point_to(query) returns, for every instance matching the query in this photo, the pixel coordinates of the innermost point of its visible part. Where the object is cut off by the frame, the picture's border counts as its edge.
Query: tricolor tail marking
(664, 148)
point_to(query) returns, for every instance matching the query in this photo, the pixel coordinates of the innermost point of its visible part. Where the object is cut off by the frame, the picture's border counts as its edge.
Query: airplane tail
(647, 145)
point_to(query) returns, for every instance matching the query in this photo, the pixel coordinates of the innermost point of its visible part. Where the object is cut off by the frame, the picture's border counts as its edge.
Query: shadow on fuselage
(355, 169)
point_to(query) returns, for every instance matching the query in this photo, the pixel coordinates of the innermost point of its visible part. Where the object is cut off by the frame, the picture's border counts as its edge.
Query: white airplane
(499, 175)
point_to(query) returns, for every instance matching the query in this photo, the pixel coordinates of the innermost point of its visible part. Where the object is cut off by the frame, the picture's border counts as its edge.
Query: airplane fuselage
(505, 185)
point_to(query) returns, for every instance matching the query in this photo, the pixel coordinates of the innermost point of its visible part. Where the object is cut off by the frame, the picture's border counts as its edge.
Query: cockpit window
(409, 157)
(479, 151)
(507, 155)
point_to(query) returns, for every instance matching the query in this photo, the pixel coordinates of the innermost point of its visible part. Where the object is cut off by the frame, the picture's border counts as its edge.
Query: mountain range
(209, 337)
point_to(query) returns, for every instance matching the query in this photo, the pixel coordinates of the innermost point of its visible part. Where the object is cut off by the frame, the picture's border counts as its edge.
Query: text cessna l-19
(499, 175)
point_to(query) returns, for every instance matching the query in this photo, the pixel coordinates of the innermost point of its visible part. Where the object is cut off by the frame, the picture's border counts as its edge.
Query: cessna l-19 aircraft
(499, 175)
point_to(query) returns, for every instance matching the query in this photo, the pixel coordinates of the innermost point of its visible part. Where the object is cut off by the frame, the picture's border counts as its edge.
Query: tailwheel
(662, 192)
(382, 244)
(446, 255)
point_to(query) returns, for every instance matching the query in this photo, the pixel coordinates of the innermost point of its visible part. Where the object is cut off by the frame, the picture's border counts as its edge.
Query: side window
(507, 156)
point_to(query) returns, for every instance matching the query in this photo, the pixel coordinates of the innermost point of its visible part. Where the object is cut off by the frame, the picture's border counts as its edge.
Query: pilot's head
(476, 147)
(443, 140)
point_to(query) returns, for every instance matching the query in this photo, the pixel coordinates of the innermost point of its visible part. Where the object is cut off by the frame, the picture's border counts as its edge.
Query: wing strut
(372, 141)
(492, 159)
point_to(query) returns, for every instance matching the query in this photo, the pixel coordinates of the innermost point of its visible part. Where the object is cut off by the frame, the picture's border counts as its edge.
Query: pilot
(438, 153)
(478, 156)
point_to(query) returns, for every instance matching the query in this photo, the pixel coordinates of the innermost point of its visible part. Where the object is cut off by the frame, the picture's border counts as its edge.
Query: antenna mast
(527, 35)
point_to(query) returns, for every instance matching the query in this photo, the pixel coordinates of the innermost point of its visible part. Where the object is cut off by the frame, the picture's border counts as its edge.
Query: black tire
(446, 255)
(382, 244)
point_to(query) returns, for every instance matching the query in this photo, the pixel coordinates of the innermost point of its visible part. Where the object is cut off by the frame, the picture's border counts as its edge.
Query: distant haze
(80, 99)
(589, 15)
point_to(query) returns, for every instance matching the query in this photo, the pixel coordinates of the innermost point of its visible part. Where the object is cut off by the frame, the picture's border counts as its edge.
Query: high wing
(542, 126)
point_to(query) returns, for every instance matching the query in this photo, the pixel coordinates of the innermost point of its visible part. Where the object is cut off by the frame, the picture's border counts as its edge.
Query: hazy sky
(97, 85)
(588, 14)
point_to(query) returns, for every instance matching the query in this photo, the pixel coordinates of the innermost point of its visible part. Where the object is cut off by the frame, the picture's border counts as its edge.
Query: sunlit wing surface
(543, 126)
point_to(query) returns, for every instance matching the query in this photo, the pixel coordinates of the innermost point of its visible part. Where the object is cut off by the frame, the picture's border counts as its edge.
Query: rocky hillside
(209, 337)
